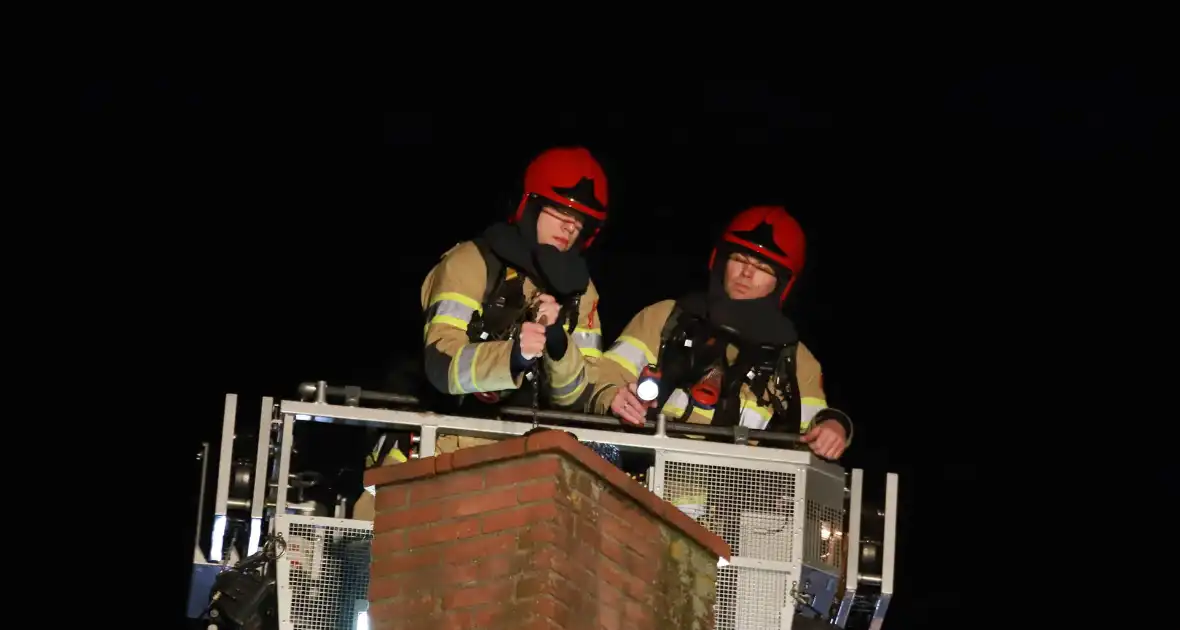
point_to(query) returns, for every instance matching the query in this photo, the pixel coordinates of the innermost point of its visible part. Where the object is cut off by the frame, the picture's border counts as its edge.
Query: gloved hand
(556, 342)
(548, 310)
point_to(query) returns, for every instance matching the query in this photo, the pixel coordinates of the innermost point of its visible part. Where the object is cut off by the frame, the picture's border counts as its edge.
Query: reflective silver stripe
(629, 356)
(811, 406)
(588, 340)
(450, 308)
(571, 387)
(754, 420)
(465, 371)
(678, 400)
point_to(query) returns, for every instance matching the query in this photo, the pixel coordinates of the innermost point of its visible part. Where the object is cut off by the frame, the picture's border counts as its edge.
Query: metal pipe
(288, 439)
(224, 461)
(889, 539)
(321, 389)
(421, 421)
(307, 507)
(204, 457)
(336, 391)
(571, 416)
(259, 478)
(238, 504)
(852, 563)
(869, 578)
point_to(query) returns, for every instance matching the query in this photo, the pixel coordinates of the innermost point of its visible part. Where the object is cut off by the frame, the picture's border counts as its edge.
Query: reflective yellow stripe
(463, 365)
(396, 455)
(651, 358)
(676, 405)
(451, 309)
(576, 376)
(591, 352)
(449, 320)
(693, 503)
(456, 297)
(569, 392)
(631, 354)
(588, 339)
(675, 412)
(753, 416)
(623, 362)
(571, 397)
(696, 499)
(753, 407)
(811, 406)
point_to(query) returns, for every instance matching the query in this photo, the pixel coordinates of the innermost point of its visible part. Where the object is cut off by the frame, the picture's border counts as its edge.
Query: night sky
(297, 231)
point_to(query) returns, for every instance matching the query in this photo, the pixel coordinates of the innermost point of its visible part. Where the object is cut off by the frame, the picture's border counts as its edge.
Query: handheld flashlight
(648, 388)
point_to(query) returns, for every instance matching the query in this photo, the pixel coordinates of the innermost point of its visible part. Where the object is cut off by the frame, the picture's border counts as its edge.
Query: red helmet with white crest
(570, 180)
(771, 234)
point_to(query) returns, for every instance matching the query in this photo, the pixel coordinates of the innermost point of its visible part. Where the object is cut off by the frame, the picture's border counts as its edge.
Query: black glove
(556, 342)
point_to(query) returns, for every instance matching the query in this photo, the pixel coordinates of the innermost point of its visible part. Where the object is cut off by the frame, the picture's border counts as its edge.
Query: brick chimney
(530, 533)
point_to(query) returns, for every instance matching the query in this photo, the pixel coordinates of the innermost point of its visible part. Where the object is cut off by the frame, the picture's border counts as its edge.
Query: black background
(283, 238)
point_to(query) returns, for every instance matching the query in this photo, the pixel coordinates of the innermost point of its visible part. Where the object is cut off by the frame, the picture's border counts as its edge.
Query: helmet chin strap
(528, 220)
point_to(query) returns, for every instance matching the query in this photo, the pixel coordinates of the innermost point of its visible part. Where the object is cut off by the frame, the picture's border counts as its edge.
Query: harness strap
(683, 365)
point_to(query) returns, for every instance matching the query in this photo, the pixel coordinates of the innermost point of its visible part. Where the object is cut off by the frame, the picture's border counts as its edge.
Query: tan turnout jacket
(452, 293)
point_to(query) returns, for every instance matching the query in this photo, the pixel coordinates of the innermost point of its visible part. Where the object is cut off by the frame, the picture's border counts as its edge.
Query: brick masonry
(534, 533)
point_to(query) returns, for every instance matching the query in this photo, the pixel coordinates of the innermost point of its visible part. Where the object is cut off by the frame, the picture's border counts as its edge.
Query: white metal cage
(777, 517)
(781, 511)
(323, 574)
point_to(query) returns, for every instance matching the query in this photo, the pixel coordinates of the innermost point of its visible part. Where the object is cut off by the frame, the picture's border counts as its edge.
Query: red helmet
(770, 233)
(571, 179)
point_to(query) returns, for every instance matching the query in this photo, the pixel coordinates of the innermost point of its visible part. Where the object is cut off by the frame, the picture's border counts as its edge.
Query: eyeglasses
(563, 216)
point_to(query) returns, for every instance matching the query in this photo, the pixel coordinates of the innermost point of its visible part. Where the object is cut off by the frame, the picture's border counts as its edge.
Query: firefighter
(514, 309)
(728, 355)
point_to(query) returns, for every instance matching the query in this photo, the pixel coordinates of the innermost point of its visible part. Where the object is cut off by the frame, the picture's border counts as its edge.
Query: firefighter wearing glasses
(520, 294)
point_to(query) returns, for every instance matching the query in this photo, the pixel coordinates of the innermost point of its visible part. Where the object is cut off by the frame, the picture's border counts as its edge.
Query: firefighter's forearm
(473, 367)
(601, 399)
(610, 375)
(567, 376)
